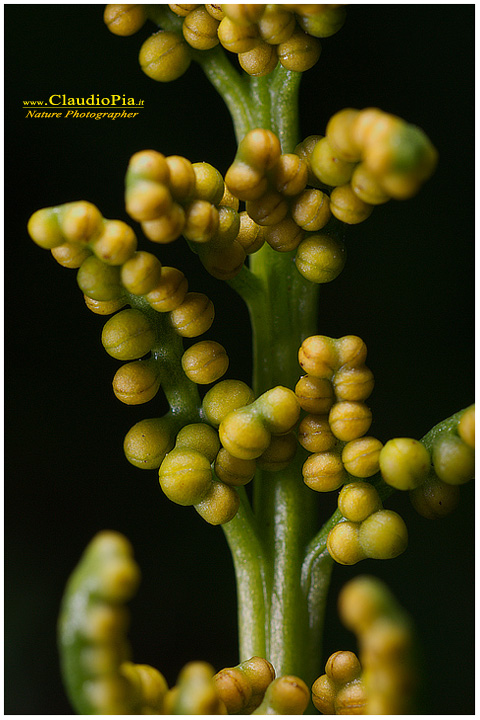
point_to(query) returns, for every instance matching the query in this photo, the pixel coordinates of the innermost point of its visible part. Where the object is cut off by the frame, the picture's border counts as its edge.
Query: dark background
(407, 290)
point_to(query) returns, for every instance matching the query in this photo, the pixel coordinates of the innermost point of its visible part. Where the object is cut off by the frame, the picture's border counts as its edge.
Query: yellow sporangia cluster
(100, 677)
(211, 459)
(274, 187)
(432, 474)
(261, 36)
(93, 625)
(170, 197)
(333, 393)
(368, 157)
(110, 268)
(386, 646)
(369, 531)
(340, 691)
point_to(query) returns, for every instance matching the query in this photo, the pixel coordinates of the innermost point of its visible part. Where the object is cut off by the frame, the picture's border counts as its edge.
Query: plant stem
(251, 570)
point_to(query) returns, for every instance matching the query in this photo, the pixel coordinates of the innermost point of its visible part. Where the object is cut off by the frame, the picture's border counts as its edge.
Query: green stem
(180, 392)
(252, 575)
(231, 86)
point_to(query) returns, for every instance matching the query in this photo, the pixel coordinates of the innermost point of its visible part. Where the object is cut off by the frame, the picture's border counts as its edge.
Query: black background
(407, 290)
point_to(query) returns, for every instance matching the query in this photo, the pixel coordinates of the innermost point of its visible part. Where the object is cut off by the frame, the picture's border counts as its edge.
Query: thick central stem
(279, 615)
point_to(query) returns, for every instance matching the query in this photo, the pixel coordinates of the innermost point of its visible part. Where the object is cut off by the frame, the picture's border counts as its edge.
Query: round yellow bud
(200, 437)
(279, 409)
(169, 292)
(124, 20)
(237, 38)
(115, 244)
(351, 351)
(276, 24)
(315, 395)
(148, 165)
(304, 150)
(166, 228)
(453, 460)
(383, 535)
(220, 504)
(349, 420)
(351, 699)
(181, 10)
(181, 177)
(324, 471)
(147, 443)
(250, 235)
(404, 463)
(270, 209)
(44, 230)
(194, 316)
(244, 435)
(289, 174)
(209, 183)
(279, 454)
(367, 187)
(105, 307)
(327, 167)
(284, 236)
(314, 434)
(339, 134)
(201, 221)
(260, 148)
(466, 426)
(200, 29)
(246, 182)
(164, 56)
(128, 335)
(136, 382)
(224, 397)
(80, 221)
(343, 544)
(205, 362)
(300, 52)
(70, 255)
(141, 273)
(98, 280)
(225, 264)
(324, 692)
(232, 470)
(320, 258)
(353, 383)
(318, 356)
(361, 457)
(311, 210)
(185, 476)
(347, 207)
(215, 11)
(358, 500)
(147, 200)
(287, 695)
(234, 689)
(243, 15)
(343, 667)
(259, 61)
(324, 23)
(434, 498)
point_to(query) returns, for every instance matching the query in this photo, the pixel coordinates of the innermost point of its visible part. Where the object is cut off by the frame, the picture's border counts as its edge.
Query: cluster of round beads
(369, 531)
(274, 187)
(432, 474)
(170, 197)
(261, 36)
(340, 691)
(366, 158)
(333, 393)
